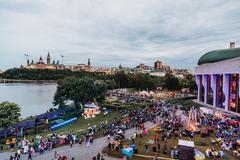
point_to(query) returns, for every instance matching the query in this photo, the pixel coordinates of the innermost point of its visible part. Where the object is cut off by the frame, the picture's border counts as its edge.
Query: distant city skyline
(116, 32)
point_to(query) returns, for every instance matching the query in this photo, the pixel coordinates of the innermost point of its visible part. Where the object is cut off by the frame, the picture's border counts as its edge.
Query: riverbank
(27, 81)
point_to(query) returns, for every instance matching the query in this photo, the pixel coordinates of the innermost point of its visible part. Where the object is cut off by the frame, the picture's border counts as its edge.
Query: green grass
(80, 125)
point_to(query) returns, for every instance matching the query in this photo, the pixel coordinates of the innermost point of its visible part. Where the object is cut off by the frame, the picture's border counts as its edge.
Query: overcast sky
(113, 32)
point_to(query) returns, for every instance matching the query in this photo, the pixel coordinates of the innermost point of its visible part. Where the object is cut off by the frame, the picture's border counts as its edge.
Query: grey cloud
(117, 32)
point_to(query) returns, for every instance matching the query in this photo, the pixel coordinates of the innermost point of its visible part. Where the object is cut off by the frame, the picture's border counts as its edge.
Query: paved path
(79, 152)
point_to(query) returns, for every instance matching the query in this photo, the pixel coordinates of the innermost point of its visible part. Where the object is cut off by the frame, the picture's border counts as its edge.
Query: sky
(113, 32)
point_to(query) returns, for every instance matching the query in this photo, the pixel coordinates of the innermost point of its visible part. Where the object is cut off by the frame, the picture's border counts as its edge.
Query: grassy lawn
(200, 143)
(80, 125)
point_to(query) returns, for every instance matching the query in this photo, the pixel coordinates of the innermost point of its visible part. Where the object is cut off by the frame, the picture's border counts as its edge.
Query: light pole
(62, 58)
(26, 55)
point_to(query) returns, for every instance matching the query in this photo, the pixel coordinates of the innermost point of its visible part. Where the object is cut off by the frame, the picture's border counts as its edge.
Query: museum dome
(219, 55)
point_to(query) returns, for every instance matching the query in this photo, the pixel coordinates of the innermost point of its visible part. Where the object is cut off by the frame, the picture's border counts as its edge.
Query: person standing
(71, 143)
(146, 147)
(11, 157)
(98, 156)
(159, 146)
(91, 140)
(112, 146)
(154, 149)
(29, 155)
(165, 149)
(55, 155)
(16, 156)
(109, 146)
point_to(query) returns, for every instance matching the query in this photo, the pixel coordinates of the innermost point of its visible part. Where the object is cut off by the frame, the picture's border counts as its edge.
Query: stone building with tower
(40, 64)
(218, 78)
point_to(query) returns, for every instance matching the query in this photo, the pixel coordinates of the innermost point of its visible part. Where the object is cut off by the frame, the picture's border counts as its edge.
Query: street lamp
(62, 58)
(27, 55)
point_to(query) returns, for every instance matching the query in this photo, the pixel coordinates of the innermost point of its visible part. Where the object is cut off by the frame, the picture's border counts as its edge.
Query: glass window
(233, 93)
(220, 94)
(209, 91)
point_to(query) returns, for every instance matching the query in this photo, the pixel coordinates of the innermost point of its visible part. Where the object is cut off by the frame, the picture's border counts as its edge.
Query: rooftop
(219, 55)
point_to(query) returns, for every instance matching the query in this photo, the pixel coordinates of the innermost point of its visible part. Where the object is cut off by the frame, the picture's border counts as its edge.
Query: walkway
(80, 152)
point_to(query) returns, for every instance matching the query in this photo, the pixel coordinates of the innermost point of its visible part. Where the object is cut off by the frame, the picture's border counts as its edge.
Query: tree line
(121, 79)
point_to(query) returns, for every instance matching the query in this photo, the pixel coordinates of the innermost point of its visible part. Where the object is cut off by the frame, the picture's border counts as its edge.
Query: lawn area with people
(210, 136)
(201, 144)
(80, 127)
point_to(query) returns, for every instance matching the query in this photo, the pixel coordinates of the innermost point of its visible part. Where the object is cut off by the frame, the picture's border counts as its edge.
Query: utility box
(186, 150)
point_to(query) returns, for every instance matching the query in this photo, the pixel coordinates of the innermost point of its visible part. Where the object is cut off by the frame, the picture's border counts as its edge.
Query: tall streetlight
(27, 55)
(62, 58)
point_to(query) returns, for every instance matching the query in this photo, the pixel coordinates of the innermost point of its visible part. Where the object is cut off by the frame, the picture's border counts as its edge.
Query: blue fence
(67, 122)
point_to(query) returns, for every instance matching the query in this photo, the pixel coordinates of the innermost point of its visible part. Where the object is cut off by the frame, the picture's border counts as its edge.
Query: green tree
(142, 81)
(46, 74)
(122, 79)
(171, 83)
(189, 82)
(79, 91)
(111, 84)
(100, 88)
(9, 114)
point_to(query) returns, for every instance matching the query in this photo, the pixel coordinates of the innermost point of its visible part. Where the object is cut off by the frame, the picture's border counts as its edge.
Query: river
(33, 99)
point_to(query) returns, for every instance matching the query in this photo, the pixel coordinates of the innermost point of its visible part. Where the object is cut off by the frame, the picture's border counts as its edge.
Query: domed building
(218, 78)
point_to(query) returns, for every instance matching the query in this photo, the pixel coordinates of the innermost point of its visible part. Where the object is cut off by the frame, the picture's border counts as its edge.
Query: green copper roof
(219, 55)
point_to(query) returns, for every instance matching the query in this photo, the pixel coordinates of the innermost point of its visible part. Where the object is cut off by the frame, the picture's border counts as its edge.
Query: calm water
(33, 98)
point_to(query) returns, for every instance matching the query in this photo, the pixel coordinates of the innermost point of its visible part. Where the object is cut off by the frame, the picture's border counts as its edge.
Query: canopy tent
(90, 105)
(128, 152)
(144, 93)
(90, 110)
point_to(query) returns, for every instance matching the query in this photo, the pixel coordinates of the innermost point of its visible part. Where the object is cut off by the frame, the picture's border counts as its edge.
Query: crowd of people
(41, 144)
(226, 135)
(224, 130)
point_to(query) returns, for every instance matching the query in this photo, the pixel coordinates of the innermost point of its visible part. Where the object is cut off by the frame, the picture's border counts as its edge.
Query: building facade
(159, 66)
(40, 64)
(218, 78)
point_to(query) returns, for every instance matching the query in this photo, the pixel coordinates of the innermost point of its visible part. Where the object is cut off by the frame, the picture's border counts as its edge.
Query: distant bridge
(25, 81)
